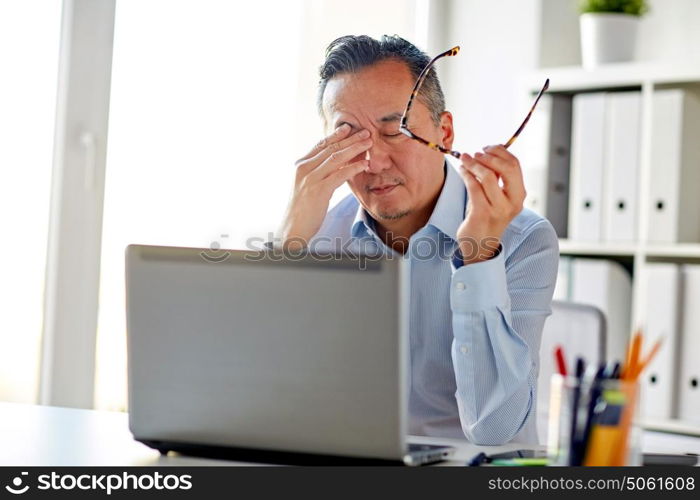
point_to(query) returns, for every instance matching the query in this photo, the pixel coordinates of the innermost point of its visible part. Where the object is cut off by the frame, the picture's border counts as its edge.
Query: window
(212, 102)
(29, 49)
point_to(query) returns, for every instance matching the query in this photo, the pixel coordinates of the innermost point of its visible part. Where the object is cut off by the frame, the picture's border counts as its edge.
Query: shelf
(655, 251)
(619, 75)
(674, 426)
(567, 247)
(687, 250)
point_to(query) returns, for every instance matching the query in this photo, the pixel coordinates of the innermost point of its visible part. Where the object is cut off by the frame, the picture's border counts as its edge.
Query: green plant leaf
(633, 7)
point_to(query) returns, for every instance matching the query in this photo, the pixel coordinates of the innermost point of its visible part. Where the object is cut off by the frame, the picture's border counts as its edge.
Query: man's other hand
(492, 205)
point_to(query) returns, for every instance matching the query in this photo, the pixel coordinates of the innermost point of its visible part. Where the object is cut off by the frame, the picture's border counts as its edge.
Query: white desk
(48, 436)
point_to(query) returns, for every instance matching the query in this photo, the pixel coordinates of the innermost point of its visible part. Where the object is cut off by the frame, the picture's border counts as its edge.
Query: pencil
(648, 358)
(633, 356)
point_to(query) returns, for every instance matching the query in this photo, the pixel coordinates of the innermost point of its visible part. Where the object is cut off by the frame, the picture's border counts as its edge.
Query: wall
(499, 41)
(669, 32)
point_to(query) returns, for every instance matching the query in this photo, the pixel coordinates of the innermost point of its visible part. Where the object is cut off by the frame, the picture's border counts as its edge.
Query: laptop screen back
(265, 352)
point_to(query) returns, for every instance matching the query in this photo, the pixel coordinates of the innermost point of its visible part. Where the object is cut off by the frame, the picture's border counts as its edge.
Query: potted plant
(609, 30)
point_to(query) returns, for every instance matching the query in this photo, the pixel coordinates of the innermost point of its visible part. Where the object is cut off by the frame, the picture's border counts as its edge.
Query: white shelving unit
(647, 77)
(567, 247)
(575, 79)
(679, 251)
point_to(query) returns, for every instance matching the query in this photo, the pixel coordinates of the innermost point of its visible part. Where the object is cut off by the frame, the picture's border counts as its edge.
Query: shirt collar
(447, 215)
(362, 225)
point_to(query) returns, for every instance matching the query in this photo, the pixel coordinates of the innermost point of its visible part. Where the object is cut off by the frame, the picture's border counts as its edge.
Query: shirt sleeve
(499, 307)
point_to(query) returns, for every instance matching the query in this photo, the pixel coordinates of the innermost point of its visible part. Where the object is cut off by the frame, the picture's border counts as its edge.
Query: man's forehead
(381, 91)
(379, 116)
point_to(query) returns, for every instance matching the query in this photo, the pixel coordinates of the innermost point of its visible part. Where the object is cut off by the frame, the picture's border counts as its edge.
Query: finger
(336, 147)
(338, 134)
(500, 151)
(339, 159)
(508, 170)
(500, 165)
(475, 191)
(337, 178)
(489, 181)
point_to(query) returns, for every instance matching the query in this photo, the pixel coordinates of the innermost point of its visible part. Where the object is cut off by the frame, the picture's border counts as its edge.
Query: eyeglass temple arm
(527, 118)
(419, 81)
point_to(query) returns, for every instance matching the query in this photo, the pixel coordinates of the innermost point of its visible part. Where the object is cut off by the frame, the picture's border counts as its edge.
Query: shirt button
(461, 286)
(463, 349)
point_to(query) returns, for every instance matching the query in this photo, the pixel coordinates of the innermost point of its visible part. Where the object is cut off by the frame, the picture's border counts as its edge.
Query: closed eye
(393, 135)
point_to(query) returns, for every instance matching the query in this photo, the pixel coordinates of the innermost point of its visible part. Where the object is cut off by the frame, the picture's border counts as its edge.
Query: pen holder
(593, 422)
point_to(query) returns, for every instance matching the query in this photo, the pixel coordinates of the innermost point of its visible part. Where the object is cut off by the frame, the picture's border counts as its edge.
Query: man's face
(404, 176)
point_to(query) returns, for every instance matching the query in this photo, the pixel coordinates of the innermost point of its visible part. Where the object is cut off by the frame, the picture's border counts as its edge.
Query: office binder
(558, 160)
(545, 156)
(531, 150)
(662, 292)
(563, 284)
(535, 180)
(675, 174)
(587, 148)
(689, 380)
(621, 166)
(607, 285)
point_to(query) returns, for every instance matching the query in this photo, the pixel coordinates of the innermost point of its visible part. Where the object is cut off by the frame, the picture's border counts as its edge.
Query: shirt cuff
(458, 259)
(479, 286)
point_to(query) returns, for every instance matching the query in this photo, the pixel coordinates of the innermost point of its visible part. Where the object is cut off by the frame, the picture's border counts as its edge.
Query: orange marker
(648, 358)
(633, 356)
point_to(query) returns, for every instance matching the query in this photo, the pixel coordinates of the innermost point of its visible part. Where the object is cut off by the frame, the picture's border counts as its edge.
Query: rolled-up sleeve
(499, 307)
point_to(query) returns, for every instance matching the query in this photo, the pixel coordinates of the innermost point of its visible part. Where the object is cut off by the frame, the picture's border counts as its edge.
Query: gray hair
(350, 54)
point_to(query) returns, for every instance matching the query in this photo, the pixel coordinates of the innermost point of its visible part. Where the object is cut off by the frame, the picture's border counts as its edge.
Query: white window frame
(67, 375)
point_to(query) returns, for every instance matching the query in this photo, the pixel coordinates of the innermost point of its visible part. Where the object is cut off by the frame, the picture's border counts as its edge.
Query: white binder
(662, 305)
(586, 178)
(607, 285)
(531, 150)
(535, 180)
(621, 166)
(689, 380)
(563, 284)
(675, 176)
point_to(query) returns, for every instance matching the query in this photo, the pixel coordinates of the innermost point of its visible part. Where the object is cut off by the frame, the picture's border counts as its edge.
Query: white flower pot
(607, 38)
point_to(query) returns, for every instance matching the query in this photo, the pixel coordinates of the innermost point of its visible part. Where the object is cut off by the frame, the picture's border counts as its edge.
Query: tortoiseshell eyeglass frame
(403, 127)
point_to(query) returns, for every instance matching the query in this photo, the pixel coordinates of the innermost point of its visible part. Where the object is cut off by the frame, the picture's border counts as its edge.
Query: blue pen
(610, 369)
(594, 384)
(616, 370)
(580, 369)
(478, 460)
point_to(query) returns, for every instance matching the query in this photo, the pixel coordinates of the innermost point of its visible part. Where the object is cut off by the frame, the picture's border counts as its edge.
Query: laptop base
(277, 457)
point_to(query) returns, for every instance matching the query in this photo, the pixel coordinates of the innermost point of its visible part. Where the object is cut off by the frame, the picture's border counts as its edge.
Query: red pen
(561, 362)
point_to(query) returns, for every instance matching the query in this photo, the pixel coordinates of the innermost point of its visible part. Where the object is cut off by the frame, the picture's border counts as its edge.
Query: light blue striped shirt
(474, 330)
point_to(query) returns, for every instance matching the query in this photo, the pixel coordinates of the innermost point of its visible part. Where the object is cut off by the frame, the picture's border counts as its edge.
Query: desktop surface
(33, 435)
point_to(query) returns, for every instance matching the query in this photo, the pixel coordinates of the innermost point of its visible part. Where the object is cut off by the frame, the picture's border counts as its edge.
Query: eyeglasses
(403, 128)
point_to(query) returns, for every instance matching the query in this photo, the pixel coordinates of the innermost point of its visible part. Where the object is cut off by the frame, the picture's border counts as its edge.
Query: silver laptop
(257, 354)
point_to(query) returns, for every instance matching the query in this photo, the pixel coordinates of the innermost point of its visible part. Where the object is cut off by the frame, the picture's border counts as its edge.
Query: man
(477, 310)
